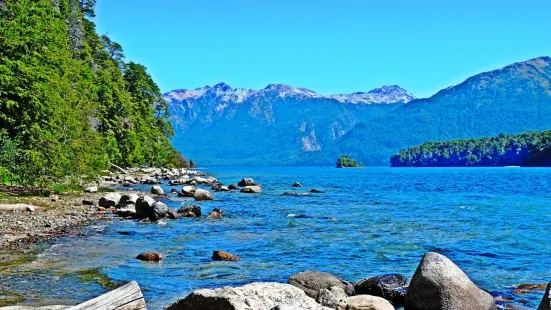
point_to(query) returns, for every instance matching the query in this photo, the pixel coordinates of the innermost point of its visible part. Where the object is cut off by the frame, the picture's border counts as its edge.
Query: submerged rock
(201, 195)
(296, 194)
(254, 296)
(216, 214)
(251, 190)
(221, 255)
(150, 257)
(110, 200)
(312, 282)
(439, 284)
(297, 184)
(190, 211)
(316, 191)
(391, 287)
(171, 214)
(365, 302)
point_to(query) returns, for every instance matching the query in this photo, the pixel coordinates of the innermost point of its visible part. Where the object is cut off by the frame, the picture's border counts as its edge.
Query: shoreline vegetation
(70, 104)
(531, 149)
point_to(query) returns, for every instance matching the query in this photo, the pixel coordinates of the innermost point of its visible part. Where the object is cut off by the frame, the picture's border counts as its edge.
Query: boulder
(200, 180)
(190, 211)
(331, 297)
(144, 206)
(221, 255)
(130, 180)
(439, 284)
(546, 300)
(251, 190)
(297, 184)
(254, 296)
(216, 214)
(201, 195)
(365, 302)
(188, 191)
(128, 199)
(316, 191)
(151, 181)
(159, 211)
(110, 200)
(150, 257)
(312, 282)
(157, 190)
(232, 187)
(223, 189)
(246, 182)
(91, 189)
(128, 211)
(171, 214)
(391, 287)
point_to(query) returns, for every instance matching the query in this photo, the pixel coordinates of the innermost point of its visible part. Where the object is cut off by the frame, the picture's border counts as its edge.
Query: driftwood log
(127, 297)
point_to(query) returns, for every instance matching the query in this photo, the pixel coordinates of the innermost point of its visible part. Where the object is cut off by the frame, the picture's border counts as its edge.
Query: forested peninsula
(528, 149)
(70, 105)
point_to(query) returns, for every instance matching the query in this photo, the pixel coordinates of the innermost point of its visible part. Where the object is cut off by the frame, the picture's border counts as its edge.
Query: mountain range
(285, 125)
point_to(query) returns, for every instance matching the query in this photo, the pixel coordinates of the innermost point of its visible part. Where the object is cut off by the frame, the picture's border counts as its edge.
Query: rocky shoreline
(436, 284)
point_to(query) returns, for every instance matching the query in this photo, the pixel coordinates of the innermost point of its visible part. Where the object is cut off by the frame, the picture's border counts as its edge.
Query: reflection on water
(491, 222)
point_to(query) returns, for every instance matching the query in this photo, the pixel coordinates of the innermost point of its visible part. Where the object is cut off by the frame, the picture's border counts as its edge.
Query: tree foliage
(345, 161)
(67, 98)
(528, 149)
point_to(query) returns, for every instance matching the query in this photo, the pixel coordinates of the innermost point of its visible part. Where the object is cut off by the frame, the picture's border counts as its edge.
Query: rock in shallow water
(438, 284)
(251, 190)
(246, 182)
(150, 257)
(157, 190)
(254, 296)
(221, 255)
(391, 287)
(216, 214)
(190, 211)
(312, 282)
(201, 195)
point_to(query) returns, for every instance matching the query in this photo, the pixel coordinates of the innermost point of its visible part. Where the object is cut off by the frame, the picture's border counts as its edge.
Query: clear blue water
(492, 222)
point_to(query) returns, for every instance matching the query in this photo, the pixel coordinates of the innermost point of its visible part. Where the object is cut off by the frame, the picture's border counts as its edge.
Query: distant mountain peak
(225, 93)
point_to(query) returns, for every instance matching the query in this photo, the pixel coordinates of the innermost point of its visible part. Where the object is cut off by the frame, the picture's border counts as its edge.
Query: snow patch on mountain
(223, 93)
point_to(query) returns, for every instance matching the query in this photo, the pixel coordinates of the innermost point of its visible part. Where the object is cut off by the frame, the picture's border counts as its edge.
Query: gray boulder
(144, 205)
(128, 211)
(254, 296)
(157, 190)
(391, 287)
(128, 199)
(546, 301)
(190, 211)
(110, 200)
(246, 182)
(251, 190)
(438, 284)
(365, 302)
(331, 297)
(159, 211)
(201, 195)
(312, 282)
(188, 191)
(91, 189)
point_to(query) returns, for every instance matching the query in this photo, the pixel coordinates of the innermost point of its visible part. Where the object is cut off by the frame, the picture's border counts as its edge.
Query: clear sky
(330, 46)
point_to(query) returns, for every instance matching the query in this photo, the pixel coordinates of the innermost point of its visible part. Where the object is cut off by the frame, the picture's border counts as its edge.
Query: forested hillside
(69, 103)
(528, 149)
(511, 100)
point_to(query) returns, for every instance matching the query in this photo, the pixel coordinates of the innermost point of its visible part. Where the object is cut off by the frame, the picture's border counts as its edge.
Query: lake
(492, 222)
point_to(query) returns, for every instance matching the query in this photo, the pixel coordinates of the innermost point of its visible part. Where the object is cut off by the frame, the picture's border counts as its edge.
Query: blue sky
(330, 46)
